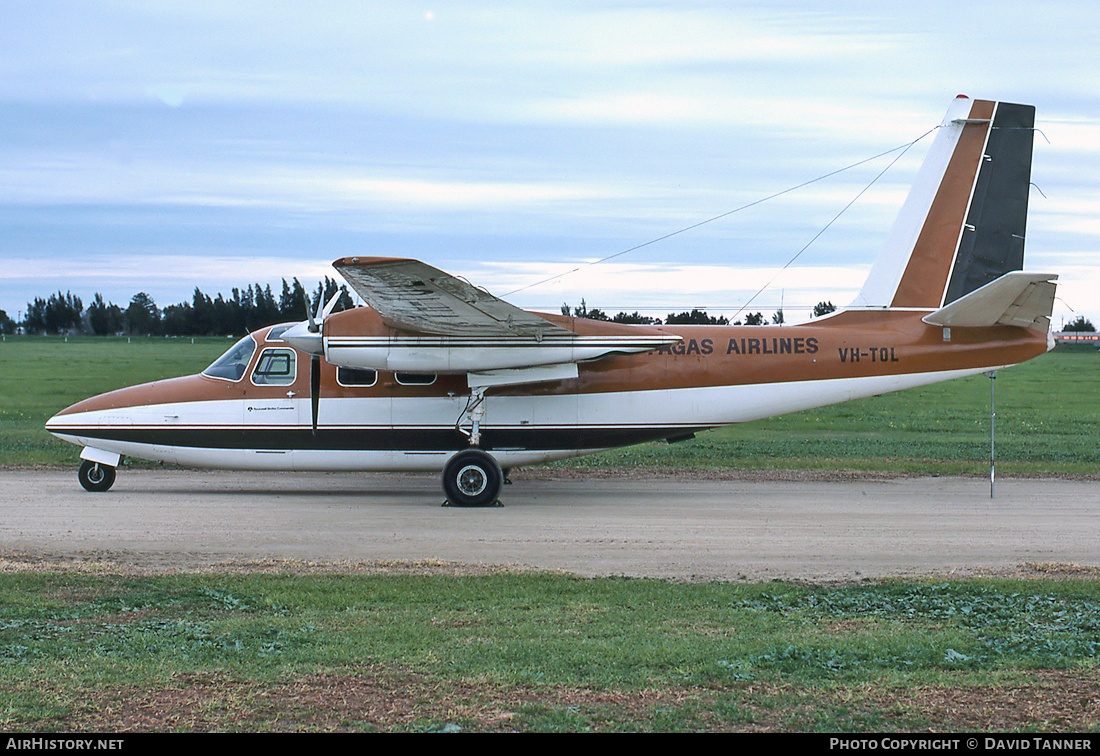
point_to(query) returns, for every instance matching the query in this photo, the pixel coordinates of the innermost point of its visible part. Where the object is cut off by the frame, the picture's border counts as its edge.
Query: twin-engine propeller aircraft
(436, 374)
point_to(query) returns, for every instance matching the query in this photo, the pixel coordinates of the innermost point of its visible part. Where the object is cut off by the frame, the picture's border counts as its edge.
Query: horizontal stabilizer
(1015, 299)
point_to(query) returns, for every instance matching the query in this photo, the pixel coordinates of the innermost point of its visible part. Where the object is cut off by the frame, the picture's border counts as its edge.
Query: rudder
(992, 242)
(963, 223)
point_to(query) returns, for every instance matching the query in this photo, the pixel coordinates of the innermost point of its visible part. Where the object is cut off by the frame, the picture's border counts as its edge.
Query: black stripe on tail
(992, 242)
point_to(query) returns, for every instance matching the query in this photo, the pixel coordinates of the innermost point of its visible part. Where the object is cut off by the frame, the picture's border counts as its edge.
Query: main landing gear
(472, 478)
(95, 476)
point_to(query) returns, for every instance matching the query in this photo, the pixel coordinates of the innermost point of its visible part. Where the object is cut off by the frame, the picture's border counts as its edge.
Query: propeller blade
(328, 307)
(316, 321)
(314, 388)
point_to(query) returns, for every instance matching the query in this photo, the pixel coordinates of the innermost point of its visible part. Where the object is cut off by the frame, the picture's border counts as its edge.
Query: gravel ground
(667, 524)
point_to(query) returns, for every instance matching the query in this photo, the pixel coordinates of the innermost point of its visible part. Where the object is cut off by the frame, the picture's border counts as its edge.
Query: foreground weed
(988, 626)
(526, 651)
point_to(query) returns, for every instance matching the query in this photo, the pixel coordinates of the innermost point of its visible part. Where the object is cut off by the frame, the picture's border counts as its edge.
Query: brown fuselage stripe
(925, 278)
(849, 345)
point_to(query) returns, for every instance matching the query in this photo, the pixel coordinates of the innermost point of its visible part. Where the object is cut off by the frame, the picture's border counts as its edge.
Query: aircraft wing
(413, 296)
(448, 325)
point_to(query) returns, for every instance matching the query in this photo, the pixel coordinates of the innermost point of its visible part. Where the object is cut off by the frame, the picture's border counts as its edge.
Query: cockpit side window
(232, 364)
(276, 332)
(276, 367)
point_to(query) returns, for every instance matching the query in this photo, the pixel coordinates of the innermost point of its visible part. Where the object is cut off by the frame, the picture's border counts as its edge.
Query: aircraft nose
(53, 422)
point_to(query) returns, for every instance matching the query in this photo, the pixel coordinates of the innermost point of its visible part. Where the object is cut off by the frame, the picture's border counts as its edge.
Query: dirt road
(672, 527)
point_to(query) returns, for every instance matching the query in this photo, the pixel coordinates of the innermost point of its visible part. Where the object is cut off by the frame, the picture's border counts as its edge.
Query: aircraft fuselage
(380, 420)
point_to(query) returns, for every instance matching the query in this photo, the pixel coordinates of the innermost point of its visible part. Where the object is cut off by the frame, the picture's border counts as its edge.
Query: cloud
(660, 289)
(489, 133)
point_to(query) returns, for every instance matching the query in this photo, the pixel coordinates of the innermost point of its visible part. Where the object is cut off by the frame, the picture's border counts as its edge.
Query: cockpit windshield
(232, 364)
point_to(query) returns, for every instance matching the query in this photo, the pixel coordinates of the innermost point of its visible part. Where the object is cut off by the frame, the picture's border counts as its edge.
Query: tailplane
(1016, 299)
(963, 224)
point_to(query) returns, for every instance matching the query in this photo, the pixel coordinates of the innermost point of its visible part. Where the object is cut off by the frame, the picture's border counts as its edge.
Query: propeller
(314, 388)
(307, 337)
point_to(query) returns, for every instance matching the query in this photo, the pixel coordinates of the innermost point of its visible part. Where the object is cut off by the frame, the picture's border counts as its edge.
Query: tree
(777, 318)
(176, 320)
(292, 302)
(7, 325)
(104, 318)
(1080, 323)
(635, 318)
(584, 312)
(142, 316)
(823, 308)
(326, 290)
(35, 322)
(202, 314)
(756, 318)
(267, 309)
(62, 312)
(695, 317)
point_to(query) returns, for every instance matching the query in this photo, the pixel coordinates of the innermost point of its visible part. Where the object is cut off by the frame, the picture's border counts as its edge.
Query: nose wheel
(95, 476)
(472, 478)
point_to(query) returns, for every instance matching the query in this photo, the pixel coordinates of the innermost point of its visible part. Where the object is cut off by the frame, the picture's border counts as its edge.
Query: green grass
(529, 651)
(1048, 415)
(43, 375)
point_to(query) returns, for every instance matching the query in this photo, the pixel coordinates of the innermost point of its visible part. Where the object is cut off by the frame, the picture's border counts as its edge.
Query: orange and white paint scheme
(437, 374)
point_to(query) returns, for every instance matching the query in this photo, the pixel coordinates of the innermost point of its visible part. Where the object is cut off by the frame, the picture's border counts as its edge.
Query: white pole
(992, 425)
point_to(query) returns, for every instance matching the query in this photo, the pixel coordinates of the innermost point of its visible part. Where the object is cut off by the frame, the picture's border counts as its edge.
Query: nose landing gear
(95, 476)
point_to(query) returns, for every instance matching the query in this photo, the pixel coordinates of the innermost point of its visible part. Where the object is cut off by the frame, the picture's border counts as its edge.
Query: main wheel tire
(95, 476)
(472, 478)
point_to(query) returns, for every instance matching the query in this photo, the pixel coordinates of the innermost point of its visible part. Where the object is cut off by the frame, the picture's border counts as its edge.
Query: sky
(159, 147)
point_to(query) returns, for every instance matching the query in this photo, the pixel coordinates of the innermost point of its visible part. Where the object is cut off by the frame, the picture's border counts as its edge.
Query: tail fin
(963, 223)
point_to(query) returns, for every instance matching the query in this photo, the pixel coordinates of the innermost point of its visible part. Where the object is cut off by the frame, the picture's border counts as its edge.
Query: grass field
(43, 375)
(1048, 415)
(542, 652)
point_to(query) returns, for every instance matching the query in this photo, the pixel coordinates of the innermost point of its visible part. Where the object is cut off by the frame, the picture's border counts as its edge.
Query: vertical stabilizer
(963, 223)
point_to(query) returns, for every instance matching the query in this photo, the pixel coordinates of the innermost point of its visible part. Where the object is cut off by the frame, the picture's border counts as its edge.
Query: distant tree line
(1080, 324)
(242, 311)
(247, 309)
(695, 317)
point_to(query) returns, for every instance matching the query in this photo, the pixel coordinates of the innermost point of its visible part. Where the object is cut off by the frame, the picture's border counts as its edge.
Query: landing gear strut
(472, 478)
(95, 476)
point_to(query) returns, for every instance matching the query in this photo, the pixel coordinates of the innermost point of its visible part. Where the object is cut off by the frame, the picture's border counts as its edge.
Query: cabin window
(232, 364)
(355, 377)
(415, 379)
(274, 368)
